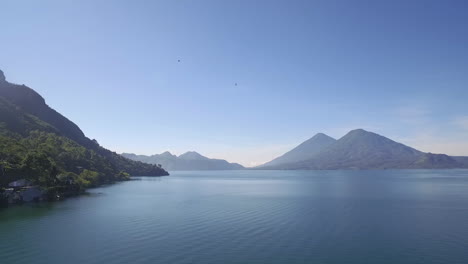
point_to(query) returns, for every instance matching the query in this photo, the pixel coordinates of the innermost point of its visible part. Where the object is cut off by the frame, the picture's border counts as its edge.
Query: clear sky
(398, 68)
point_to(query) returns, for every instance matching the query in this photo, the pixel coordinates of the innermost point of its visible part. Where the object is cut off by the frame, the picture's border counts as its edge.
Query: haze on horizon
(148, 77)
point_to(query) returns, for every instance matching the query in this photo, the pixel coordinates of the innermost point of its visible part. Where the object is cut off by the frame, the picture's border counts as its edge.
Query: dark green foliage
(42, 156)
(39, 144)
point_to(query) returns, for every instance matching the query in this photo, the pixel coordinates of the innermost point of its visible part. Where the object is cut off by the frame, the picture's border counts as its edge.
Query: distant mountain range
(188, 161)
(360, 149)
(40, 144)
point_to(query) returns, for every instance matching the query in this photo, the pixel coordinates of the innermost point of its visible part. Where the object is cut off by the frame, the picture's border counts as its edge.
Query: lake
(391, 216)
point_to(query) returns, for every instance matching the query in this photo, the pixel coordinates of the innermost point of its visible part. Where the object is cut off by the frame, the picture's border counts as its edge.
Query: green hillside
(39, 144)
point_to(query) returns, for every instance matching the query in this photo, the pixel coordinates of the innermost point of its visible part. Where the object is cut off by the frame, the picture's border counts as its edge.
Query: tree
(39, 169)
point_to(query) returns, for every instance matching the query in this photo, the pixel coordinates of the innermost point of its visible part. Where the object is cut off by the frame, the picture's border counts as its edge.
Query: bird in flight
(178, 60)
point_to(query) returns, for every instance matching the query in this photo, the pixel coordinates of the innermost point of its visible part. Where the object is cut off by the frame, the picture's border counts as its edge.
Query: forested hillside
(39, 144)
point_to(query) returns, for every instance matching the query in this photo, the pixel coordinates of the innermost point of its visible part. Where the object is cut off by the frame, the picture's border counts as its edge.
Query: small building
(8, 195)
(19, 183)
(24, 194)
(31, 194)
(8, 191)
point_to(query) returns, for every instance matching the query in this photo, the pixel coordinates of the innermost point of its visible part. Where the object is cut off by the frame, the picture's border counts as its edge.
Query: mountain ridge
(361, 149)
(189, 160)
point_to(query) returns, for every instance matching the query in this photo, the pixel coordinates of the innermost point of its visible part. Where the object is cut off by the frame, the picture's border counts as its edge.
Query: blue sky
(398, 68)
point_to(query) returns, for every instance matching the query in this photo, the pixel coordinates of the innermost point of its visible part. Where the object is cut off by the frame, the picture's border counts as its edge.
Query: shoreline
(38, 194)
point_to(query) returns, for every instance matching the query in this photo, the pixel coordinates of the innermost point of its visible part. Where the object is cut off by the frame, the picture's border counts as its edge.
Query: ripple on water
(250, 217)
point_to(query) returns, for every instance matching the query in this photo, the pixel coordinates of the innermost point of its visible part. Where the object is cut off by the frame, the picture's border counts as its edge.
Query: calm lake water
(250, 217)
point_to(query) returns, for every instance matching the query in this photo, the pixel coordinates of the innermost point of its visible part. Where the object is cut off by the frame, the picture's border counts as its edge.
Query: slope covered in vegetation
(39, 144)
